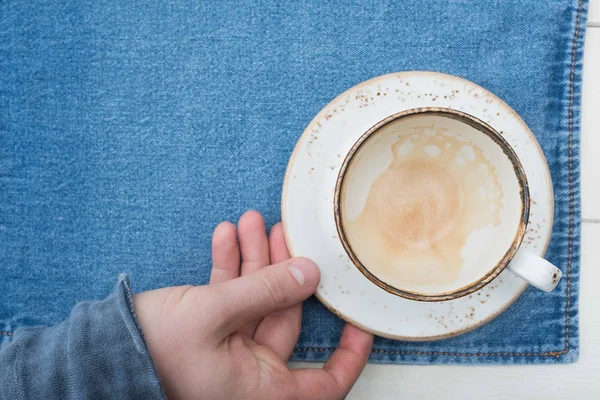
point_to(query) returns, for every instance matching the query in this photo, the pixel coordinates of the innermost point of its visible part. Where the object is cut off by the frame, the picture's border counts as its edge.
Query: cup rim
(523, 195)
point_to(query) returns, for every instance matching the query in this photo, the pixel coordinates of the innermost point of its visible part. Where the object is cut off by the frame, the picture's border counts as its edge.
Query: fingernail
(305, 271)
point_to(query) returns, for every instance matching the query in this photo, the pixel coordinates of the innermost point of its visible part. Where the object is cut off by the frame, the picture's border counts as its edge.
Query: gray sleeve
(98, 352)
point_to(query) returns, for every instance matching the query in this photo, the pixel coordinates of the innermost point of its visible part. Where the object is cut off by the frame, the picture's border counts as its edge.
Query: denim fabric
(97, 353)
(129, 129)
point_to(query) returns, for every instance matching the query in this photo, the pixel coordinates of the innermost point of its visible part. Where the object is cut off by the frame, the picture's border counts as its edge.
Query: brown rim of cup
(524, 195)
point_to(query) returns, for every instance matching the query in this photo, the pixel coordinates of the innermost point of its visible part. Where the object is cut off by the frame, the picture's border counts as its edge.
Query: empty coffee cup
(432, 204)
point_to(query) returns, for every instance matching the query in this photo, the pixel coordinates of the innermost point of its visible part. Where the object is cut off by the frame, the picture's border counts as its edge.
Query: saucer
(308, 209)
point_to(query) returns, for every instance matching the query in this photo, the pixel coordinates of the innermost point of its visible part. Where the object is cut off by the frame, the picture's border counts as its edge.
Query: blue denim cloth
(97, 353)
(129, 129)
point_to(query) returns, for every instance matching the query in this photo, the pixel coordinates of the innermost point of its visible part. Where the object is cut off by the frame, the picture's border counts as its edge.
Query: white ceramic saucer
(307, 204)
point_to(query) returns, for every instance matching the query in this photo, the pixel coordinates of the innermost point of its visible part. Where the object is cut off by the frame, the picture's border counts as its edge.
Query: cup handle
(535, 270)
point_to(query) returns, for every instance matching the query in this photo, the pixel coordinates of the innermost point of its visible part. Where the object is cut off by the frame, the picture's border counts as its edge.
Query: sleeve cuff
(132, 324)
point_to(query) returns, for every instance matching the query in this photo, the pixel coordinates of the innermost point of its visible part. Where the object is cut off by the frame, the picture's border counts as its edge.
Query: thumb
(264, 292)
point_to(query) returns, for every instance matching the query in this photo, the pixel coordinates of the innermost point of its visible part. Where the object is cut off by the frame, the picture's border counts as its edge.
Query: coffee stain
(421, 210)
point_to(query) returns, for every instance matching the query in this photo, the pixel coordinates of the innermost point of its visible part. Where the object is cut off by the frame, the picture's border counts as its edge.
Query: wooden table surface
(576, 381)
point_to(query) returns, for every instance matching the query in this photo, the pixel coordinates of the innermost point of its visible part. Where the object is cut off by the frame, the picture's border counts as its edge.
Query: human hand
(231, 339)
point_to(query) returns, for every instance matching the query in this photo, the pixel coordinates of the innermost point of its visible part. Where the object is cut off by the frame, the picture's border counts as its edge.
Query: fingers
(280, 331)
(254, 247)
(341, 371)
(277, 246)
(225, 254)
(254, 244)
(271, 289)
(349, 359)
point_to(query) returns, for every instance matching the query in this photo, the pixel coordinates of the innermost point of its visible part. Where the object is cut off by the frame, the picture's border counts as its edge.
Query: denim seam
(571, 191)
(571, 228)
(443, 353)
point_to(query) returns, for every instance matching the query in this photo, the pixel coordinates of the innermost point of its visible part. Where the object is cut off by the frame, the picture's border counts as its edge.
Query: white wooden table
(576, 381)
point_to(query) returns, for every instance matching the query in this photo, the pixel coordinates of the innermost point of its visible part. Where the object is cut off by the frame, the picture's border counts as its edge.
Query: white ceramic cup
(432, 204)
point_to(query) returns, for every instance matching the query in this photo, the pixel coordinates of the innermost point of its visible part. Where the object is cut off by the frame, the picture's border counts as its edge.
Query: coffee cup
(432, 204)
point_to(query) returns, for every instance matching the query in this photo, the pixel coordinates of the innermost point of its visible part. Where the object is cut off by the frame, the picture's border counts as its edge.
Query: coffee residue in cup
(421, 210)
